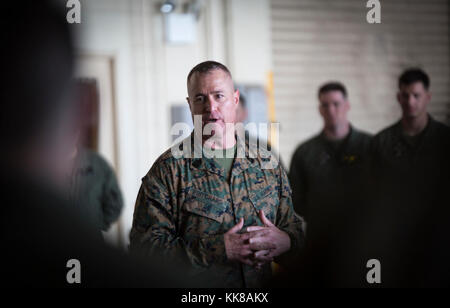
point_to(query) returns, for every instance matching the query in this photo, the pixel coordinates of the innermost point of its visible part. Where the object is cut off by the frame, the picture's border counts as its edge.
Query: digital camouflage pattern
(185, 206)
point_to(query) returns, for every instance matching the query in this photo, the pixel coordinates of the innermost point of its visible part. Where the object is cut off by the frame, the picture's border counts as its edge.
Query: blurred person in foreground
(40, 232)
(224, 214)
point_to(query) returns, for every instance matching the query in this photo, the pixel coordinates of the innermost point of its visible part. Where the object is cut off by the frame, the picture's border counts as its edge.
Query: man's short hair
(206, 67)
(332, 86)
(242, 99)
(413, 75)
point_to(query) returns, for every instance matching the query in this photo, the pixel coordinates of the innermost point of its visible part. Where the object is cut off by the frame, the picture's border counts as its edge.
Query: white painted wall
(249, 40)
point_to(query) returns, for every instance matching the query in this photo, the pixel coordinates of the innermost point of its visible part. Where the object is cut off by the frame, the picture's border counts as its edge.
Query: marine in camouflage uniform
(192, 208)
(185, 206)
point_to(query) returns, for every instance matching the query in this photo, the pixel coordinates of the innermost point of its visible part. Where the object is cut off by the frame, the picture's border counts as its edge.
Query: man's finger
(255, 228)
(264, 220)
(262, 245)
(263, 256)
(263, 260)
(246, 251)
(261, 253)
(237, 227)
(255, 240)
(258, 233)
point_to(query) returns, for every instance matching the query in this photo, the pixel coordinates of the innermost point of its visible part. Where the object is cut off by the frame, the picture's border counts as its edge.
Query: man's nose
(210, 104)
(331, 110)
(411, 99)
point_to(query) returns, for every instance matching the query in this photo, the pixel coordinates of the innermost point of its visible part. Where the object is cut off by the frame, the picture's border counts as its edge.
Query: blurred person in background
(93, 186)
(241, 117)
(409, 222)
(94, 189)
(40, 231)
(333, 157)
(328, 175)
(225, 216)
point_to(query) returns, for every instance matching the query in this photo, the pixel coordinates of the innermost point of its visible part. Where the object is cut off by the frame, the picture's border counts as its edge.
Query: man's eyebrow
(213, 92)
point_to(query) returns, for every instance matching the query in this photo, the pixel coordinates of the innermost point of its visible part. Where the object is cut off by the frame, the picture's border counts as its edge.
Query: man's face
(212, 96)
(333, 108)
(413, 99)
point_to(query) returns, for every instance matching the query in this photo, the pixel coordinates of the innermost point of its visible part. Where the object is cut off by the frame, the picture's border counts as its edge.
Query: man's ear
(236, 97)
(398, 97)
(348, 104)
(189, 103)
(429, 96)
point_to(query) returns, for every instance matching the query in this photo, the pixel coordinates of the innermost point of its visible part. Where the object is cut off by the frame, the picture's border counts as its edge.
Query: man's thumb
(238, 226)
(264, 220)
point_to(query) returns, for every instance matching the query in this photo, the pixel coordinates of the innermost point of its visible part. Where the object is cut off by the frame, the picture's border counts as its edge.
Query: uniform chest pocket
(204, 213)
(267, 200)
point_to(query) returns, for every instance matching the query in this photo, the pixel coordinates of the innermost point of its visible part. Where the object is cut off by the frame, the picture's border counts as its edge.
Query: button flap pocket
(264, 199)
(206, 205)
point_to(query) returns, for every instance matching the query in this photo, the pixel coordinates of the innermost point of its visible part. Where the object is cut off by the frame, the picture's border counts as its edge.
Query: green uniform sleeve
(112, 201)
(154, 231)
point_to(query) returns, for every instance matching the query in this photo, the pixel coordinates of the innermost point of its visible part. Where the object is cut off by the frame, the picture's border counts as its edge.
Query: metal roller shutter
(315, 41)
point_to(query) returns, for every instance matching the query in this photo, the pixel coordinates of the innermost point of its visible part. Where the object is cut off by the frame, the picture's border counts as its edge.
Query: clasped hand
(258, 245)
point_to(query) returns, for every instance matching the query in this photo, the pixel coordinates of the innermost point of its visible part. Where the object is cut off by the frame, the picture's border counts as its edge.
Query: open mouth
(211, 120)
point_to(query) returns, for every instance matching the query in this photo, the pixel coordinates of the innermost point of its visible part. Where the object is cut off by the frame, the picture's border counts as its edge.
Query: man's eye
(199, 100)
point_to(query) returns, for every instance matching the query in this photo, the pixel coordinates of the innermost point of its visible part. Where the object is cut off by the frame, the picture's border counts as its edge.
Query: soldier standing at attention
(228, 217)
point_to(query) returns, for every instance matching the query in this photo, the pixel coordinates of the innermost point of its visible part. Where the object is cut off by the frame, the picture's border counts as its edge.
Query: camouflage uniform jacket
(185, 205)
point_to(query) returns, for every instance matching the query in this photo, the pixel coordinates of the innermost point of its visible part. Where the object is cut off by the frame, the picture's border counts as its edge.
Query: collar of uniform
(352, 138)
(240, 164)
(431, 125)
(343, 142)
(249, 160)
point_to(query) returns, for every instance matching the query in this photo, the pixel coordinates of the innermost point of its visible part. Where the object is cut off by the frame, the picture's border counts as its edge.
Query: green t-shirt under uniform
(226, 162)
